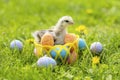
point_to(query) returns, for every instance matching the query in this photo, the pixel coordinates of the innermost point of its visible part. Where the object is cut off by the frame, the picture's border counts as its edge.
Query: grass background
(18, 18)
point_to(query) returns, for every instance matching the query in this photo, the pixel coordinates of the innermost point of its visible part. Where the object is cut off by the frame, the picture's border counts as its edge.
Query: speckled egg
(69, 38)
(47, 39)
(16, 44)
(46, 61)
(81, 44)
(96, 47)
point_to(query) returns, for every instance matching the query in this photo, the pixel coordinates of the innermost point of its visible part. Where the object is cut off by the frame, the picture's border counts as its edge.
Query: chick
(58, 31)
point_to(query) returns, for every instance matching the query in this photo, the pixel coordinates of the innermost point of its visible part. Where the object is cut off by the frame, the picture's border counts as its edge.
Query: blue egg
(53, 53)
(16, 44)
(46, 61)
(63, 53)
(96, 47)
(81, 44)
(59, 52)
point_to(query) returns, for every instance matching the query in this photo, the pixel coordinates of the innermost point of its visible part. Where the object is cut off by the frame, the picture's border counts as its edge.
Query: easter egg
(47, 39)
(81, 44)
(46, 61)
(72, 57)
(35, 50)
(69, 38)
(59, 52)
(38, 51)
(16, 44)
(96, 47)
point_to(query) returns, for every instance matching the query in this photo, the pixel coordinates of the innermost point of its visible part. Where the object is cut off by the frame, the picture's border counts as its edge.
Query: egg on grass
(46, 61)
(81, 44)
(96, 47)
(16, 44)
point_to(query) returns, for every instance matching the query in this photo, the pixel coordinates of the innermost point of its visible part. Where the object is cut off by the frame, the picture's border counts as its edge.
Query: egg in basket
(67, 53)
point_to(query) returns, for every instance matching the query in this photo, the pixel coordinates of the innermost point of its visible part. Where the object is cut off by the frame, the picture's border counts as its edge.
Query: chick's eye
(66, 21)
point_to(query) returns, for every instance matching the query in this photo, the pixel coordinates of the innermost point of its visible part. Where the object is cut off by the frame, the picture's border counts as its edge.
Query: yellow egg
(47, 39)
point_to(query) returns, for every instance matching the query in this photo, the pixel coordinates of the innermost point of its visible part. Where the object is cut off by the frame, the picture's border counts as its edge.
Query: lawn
(19, 18)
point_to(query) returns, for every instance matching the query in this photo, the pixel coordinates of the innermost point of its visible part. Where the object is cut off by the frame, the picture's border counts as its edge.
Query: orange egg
(47, 39)
(69, 38)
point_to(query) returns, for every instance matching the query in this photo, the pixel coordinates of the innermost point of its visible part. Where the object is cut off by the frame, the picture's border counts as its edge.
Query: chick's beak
(72, 23)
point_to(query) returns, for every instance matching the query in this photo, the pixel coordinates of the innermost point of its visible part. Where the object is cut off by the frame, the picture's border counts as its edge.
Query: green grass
(18, 18)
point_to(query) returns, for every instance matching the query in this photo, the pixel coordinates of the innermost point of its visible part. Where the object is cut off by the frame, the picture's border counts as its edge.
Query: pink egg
(72, 57)
(34, 50)
(37, 53)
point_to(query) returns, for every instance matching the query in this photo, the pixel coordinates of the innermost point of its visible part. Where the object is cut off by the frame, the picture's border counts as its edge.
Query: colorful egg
(35, 50)
(47, 39)
(81, 44)
(69, 38)
(16, 44)
(96, 47)
(72, 57)
(38, 52)
(46, 61)
(59, 52)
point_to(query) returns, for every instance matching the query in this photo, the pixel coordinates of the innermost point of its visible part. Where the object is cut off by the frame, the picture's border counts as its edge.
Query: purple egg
(16, 44)
(96, 47)
(46, 61)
